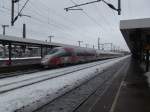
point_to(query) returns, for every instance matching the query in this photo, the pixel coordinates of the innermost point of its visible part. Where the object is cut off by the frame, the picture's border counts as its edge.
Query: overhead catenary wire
(64, 18)
(2, 3)
(54, 24)
(114, 13)
(23, 7)
(45, 17)
(45, 23)
(105, 19)
(90, 17)
(2, 11)
(14, 19)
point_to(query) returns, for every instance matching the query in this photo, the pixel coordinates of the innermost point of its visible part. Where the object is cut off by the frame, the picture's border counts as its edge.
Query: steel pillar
(10, 54)
(147, 60)
(41, 51)
(24, 31)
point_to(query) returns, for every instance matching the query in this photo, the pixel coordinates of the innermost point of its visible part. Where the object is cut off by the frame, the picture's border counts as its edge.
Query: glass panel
(52, 51)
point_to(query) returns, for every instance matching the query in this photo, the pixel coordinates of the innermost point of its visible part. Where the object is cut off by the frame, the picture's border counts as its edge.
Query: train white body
(73, 55)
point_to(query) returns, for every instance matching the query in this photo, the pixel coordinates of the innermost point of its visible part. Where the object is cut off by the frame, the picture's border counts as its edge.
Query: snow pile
(32, 97)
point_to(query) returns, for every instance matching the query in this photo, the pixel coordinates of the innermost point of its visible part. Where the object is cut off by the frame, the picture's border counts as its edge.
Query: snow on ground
(34, 96)
(46, 74)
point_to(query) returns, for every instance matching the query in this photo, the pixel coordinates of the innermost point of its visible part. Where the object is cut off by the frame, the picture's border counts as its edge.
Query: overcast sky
(48, 17)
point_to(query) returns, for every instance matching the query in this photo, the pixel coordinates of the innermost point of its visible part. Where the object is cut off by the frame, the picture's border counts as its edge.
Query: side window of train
(61, 54)
(65, 54)
(80, 54)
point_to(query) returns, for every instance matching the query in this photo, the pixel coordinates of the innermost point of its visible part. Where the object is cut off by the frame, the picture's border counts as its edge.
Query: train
(74, 55)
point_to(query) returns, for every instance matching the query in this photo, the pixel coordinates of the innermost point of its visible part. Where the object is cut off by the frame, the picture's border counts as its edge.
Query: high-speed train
(73, 55)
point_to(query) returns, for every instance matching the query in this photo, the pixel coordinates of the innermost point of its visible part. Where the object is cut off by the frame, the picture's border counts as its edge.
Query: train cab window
(65, 54)
(52, 51)
(69, 54)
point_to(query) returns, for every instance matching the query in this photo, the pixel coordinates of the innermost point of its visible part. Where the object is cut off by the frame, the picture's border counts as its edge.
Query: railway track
(22, 81)
(19, 70)
(37, 89)
(99, 88)
(12, 74)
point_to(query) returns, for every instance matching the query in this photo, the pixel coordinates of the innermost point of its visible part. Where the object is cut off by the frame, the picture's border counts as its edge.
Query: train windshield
(53, 51)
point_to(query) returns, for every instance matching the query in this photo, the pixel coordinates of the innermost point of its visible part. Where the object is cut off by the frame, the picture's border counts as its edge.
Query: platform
(129, 92)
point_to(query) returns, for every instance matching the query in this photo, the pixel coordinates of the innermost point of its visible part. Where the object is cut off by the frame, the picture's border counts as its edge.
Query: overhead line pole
(4, 28)
(119, 7)
(68, 8)
(109, 4)
(12, 11)
(98, 43)
(50, 38)
(13, 18)
(80, 43)
(24, 31)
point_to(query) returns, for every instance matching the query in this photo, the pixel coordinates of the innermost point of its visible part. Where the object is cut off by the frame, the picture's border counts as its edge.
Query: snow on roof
(135, 23)
(30, 41)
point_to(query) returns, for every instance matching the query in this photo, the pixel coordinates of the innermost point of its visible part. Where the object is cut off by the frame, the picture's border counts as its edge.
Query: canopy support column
(147, 60)
(41, 51)
(10, 54)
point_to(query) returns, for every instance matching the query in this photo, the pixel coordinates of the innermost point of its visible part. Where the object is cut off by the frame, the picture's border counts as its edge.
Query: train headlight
(45, 60)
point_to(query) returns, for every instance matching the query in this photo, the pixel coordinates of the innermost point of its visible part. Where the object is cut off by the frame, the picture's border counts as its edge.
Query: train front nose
(45, 60)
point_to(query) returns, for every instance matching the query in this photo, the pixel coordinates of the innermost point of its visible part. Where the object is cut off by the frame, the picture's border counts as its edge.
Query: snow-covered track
(12, 71)
(17, 73)
(6, 86)
(31, 97)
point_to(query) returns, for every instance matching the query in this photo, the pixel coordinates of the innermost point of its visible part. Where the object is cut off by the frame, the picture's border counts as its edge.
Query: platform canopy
(27, 41)
(136, 32)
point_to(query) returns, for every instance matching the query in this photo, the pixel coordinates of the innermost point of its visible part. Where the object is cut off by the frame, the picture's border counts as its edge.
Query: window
(64, 54)
(53, 51)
